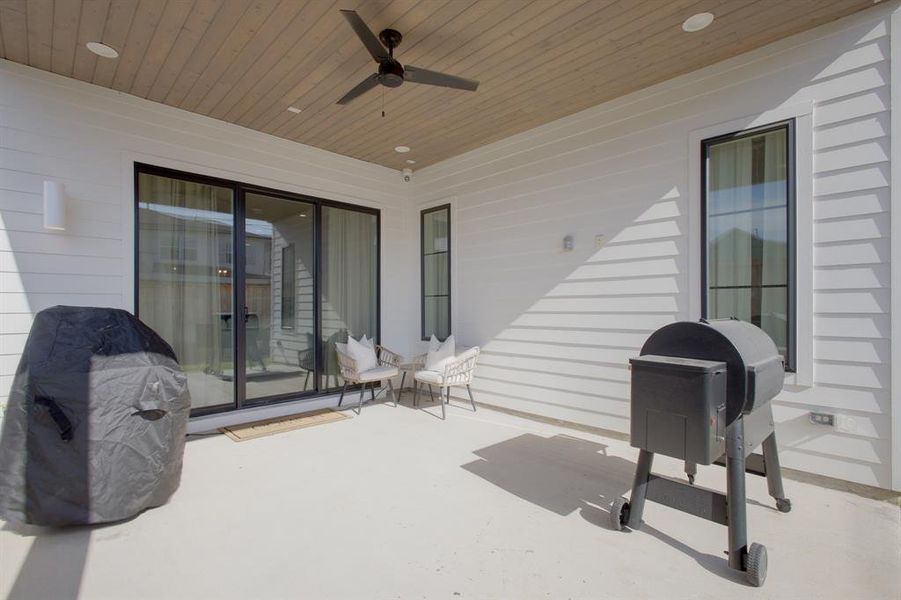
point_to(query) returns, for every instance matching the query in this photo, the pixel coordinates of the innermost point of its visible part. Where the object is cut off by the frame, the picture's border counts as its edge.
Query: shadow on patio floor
(560, 473)
(563, 474)
(55, 562)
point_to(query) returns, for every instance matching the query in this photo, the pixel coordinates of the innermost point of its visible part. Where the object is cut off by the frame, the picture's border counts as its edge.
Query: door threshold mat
(258, 429)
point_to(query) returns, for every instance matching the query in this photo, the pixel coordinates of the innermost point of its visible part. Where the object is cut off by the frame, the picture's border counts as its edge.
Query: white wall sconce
(54, 205)
(568, 243)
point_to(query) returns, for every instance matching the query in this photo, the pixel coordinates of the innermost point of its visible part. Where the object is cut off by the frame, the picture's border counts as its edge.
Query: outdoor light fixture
(101, 49)
(54, 205)
(697, 22)
(402, 149)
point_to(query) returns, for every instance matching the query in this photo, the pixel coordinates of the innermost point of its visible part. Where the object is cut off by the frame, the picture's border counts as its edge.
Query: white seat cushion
(378, 374)
(430, 377)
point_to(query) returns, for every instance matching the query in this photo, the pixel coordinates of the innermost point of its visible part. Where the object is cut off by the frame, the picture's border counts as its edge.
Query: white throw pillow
(363, 353)
(434, 343)
(443, 354)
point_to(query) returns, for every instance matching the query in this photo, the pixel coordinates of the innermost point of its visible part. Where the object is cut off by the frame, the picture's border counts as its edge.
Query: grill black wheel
(619, 513)
(755, 564)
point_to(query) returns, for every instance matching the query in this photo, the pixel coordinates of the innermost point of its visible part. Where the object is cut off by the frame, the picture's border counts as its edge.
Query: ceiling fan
(391, 73)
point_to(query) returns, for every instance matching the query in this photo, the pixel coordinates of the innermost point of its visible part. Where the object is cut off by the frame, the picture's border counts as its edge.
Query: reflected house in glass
(187, 274)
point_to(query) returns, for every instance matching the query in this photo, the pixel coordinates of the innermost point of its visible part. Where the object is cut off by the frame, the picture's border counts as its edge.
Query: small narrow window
(748, 223)
(436, 247)
(288, 292)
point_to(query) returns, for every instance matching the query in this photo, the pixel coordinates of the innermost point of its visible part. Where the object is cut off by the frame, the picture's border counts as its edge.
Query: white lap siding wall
(557, 328)
(87, 137)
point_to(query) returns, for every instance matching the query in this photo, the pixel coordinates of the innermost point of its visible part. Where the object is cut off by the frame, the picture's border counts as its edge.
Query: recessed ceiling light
(697, 22)
(103, 50)
(294, 109)
(402, 149)
(410, 161)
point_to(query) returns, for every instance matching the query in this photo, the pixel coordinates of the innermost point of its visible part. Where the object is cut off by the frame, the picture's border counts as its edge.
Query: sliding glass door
(185, 278)
(279, 270)
(252, 287)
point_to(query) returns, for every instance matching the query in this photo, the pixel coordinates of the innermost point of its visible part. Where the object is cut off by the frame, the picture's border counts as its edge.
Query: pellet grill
(701, 393)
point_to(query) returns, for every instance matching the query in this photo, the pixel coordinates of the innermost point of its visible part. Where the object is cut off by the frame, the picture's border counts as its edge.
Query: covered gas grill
(701, 393)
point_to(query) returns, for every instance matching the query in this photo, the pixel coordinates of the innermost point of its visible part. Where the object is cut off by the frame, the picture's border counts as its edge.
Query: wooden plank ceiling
(247, 61)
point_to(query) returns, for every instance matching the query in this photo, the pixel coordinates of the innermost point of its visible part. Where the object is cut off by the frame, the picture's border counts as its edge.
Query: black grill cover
(754, 369)
(94, 429)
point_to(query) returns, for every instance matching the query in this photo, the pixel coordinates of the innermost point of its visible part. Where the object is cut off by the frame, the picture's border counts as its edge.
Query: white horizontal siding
(557, 328)
(88, 137)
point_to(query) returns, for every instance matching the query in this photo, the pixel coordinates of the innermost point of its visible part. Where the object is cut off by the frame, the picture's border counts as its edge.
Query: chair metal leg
(360, 407)
(372, 390)
(306, 380)
(415, 393)
(393, 393)
(471, 398)
(341, 399)
(447, 395)
(403, 377)
(441, 400)
(431, 394)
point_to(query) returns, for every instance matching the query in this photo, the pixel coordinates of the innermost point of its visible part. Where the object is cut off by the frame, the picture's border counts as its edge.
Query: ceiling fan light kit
(391, 73)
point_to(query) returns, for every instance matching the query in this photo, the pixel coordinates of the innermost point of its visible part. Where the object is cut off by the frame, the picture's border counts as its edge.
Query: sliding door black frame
(239, 190)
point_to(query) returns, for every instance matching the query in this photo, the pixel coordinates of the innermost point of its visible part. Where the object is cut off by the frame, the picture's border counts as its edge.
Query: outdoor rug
(258, 429)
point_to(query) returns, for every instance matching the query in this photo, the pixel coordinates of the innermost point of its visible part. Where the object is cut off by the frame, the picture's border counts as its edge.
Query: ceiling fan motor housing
(391, 73)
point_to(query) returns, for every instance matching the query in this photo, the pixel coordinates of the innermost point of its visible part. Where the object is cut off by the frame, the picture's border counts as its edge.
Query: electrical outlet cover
(822, 419)
(845, 424)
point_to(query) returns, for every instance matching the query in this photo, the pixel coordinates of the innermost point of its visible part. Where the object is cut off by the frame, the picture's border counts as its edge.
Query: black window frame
(239, 190)
(789, 126)
(422, 255)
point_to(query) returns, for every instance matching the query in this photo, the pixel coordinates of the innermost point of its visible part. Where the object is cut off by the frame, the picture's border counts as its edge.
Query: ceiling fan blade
(417, 75)
(366, 36)
(361, 88)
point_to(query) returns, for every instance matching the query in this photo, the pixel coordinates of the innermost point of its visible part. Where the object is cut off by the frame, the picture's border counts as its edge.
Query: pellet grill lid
(754, 369)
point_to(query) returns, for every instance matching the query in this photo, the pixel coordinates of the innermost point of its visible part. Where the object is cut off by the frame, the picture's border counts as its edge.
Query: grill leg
(735, 493)
(774, 473)
(691, 469)
(640, 488)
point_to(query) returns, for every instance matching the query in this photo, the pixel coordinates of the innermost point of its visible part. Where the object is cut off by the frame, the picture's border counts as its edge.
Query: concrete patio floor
(398, 504)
